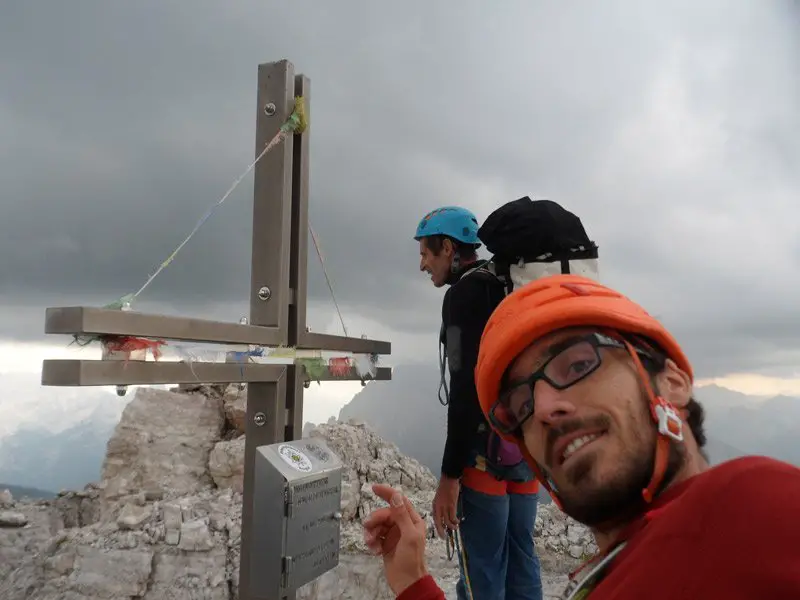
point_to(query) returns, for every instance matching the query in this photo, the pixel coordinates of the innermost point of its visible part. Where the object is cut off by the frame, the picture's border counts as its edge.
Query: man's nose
(551, 405)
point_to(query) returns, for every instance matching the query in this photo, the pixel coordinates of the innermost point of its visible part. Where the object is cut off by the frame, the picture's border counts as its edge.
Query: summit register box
(296, 516)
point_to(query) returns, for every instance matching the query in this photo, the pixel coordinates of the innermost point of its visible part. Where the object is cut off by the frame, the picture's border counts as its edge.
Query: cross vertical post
(298, 265)
(272, 300)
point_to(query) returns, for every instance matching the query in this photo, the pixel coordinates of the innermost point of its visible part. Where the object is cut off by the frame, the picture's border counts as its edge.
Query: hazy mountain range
(54, 440)
(407, 412)
(19, 492)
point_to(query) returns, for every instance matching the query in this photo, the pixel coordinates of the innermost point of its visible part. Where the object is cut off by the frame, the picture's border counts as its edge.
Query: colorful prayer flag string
(127, 344)
(312, 361)
(340, 367)
(295, 123)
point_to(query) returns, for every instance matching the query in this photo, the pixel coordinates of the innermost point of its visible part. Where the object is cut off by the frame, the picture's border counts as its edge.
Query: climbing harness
(442, 371)
(444, 401)
(451, 544)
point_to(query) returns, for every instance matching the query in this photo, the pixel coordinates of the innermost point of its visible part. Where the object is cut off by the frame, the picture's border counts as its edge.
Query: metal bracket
(287, 571)
(289, 502)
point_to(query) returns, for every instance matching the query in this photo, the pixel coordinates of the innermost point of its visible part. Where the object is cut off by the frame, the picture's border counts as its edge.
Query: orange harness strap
(481, 481)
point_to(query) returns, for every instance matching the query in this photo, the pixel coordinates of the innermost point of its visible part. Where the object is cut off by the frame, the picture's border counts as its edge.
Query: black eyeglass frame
(596, 340)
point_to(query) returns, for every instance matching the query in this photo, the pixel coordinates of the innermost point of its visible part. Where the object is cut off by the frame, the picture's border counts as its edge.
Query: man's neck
(463, 266)
(606, 535)
(466, 264)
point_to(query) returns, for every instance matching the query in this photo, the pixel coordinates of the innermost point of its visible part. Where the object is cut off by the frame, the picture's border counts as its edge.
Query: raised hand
(397, 533)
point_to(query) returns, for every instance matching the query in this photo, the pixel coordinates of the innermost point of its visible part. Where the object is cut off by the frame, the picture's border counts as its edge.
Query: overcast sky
(672, 129)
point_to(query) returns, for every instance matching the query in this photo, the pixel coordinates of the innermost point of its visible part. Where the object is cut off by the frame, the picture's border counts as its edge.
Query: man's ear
(447, 247)
(674, 385)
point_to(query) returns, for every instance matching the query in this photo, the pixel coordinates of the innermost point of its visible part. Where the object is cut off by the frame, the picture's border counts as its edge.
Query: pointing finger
(378, 517)
(386, 492)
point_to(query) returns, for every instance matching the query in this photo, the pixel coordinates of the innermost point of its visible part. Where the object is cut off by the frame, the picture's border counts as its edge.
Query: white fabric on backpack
(522, 272)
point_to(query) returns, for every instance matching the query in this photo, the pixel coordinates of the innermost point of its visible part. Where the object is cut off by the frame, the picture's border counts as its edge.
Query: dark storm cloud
(673, 131)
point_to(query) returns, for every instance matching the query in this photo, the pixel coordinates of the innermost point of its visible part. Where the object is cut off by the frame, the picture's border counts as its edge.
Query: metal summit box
(296, 515)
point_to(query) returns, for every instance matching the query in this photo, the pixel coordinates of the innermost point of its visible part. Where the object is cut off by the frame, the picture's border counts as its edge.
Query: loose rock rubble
(164, 521)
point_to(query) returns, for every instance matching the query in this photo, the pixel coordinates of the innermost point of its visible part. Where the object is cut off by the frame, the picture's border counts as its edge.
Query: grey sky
(673, 130)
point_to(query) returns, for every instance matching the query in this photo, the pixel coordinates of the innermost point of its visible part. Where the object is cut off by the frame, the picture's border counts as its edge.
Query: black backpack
(530, 239)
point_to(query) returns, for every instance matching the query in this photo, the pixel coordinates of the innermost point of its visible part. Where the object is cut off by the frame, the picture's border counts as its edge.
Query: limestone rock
(10, 518)
(561, 535)
(18, 544)
(235, 406)
(226, 464)
(6, 499)
(79, 508)
(132, 516)
(110, 573)
(196, 575)
(173, 520)
(162, 441)
(195, 536)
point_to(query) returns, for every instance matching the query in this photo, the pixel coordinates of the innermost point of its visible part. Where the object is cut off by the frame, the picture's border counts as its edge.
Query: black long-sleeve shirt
(466, 308)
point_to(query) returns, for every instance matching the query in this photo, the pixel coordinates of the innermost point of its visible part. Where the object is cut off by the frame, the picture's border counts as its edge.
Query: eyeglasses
(572, 360)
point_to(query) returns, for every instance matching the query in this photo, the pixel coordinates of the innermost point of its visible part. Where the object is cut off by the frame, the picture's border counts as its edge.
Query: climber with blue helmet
(486, 499)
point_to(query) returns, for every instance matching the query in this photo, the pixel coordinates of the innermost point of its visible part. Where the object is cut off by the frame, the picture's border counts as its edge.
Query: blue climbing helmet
(452, 221)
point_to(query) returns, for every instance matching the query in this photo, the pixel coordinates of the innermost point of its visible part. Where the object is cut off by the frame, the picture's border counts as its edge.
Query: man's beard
(619, 498)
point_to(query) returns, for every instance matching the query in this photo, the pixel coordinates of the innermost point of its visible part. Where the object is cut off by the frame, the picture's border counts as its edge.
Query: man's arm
(465, 311)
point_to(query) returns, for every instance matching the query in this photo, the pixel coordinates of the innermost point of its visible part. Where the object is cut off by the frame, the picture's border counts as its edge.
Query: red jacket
(731, 532)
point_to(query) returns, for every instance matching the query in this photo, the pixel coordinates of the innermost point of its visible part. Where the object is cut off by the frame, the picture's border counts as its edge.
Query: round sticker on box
(294, 458)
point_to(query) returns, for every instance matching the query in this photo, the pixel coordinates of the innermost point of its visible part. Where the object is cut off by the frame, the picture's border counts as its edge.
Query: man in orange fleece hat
(598, 394)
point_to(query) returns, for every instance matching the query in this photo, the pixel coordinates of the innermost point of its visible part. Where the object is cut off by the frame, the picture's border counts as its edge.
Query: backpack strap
(501, 271)
(491, 270)
(482, 271)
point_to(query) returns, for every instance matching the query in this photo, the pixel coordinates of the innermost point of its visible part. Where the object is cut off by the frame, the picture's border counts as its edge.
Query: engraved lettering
(317, 452)
(317, 522)
(314, 491)
(319, 554)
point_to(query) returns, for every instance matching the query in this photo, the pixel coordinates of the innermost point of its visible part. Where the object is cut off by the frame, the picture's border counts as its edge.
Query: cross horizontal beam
(87, 320)
(339, 343)
(118, 372)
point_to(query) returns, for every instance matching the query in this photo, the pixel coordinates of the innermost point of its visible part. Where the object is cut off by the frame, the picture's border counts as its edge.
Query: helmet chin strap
(668, 423)
(669, 426)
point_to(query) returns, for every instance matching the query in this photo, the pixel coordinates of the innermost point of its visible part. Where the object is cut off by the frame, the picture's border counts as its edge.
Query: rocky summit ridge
(164, 521)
